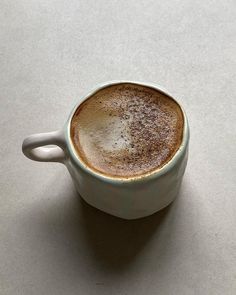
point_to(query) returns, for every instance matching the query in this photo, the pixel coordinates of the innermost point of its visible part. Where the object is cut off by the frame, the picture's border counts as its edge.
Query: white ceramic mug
(126, 198)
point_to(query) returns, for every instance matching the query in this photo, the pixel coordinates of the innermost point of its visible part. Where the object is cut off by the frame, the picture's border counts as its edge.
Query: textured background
(52, 53)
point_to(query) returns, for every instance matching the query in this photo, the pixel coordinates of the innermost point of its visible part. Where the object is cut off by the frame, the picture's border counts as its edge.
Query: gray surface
(52, 53)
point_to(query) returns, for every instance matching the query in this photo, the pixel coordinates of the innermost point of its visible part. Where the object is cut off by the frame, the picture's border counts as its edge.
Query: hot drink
(127, 130)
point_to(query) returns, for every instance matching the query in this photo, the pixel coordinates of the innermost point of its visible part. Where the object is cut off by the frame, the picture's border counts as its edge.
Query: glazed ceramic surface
(125, 198)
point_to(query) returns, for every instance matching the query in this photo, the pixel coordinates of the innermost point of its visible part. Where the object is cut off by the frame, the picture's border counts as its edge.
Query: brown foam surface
(127, 130)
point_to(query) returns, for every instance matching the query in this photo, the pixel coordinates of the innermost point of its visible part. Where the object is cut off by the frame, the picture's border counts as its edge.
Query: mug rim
(140, 178)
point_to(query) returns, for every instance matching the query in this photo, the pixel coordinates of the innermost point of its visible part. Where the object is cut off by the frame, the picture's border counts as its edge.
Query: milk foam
(127, 130)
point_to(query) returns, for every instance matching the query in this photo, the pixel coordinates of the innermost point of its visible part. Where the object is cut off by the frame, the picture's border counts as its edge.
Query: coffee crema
(127, 130)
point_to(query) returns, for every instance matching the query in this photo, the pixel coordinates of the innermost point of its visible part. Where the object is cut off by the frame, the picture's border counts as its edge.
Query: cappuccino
(127, 130)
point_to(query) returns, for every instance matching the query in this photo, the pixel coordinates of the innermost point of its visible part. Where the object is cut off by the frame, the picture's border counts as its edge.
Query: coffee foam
(127, 130)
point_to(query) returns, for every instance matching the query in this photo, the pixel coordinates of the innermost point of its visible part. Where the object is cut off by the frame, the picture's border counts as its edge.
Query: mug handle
(33, 147)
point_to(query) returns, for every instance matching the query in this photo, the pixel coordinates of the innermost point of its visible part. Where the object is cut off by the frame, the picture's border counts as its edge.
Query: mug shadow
(116, 242)
(78, 232)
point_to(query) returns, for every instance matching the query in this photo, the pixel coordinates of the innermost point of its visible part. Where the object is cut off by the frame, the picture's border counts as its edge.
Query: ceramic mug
(132, 198)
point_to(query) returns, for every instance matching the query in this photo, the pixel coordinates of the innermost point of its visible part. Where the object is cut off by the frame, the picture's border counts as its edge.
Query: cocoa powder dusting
(127, 130)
